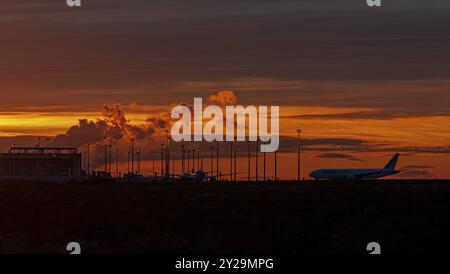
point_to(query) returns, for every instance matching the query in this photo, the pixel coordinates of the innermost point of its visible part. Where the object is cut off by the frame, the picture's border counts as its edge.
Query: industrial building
(39, 163)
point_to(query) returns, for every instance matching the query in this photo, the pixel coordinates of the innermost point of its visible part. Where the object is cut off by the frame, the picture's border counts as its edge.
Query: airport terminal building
(39, 163)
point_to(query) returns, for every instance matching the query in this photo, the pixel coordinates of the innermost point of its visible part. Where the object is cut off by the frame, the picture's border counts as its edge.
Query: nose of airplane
(313, 174)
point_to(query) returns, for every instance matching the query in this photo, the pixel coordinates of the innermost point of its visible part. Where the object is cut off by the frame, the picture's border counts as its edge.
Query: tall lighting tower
(189, 161)
(231, 162)
(235, 160)
(198, 158)
(212, 160)
(299, 132)
(132, 156)
(106, 153)
(217, 160)
(264, 155)
(276, 167)
(256, 161)
(117, 162)
(153, 163)
(249, 159)
(89, 159)
(128, 160)
(162, 159)
(182, 157)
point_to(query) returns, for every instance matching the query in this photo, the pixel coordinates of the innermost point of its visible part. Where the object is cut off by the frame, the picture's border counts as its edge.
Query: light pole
(276, 167)
(256, 167)
(193, 159)
(106, 153)
(88, 160)
(83, 160)
(189, 160)
(212, 160)
(198, 158)
(217, 160)
(168, 154)
(117, 162)
(173, 165)
(182, 158)
(153, 163)
(162, 159)
(137, 161)
(235, 160)
(132, 156)
(299, 132)
(249, 161)
(110, 158)
(128, 160)
(264, 155)
(138, 156)
(231, 162)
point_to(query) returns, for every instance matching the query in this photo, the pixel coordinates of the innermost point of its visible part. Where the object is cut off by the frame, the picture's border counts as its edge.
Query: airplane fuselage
(349, 174)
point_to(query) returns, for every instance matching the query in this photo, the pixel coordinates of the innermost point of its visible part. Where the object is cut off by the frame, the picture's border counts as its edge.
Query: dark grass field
(215, 219)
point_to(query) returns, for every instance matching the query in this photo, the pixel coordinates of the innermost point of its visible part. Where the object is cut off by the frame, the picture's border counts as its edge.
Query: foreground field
(242, 218)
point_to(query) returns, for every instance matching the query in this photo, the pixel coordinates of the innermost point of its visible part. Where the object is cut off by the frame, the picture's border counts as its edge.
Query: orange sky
(417, 132)
(361, 84)
(404, 131)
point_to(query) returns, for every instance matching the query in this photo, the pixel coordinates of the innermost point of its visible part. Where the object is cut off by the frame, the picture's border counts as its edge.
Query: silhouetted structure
(56, 164)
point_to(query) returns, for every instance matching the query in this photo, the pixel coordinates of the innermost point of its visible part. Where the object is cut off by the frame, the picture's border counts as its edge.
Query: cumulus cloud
(223, 98)
(121, 127)
(113, 126)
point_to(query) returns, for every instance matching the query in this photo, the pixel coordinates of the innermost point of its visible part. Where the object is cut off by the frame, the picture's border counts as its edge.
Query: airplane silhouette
(353, 174)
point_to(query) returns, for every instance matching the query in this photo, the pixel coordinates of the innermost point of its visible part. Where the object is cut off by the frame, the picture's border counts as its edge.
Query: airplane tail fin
(393, 162)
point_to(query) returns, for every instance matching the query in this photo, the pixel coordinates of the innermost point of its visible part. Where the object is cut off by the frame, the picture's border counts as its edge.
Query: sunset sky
(361, 83)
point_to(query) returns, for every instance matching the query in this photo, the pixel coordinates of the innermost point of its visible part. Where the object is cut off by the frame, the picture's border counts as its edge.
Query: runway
(226, 218)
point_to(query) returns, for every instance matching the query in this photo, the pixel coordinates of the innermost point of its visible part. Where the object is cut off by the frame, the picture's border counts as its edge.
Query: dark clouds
(340, 147)
(113, 127)
(416, 174)
(417, 167)
(289, 144)
(84, 133)
(115, 49)
(20, 141)
(337, 156)
(416, 171)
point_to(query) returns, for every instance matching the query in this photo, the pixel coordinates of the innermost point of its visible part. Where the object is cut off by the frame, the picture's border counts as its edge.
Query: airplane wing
(229, 174)
(366, 174)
